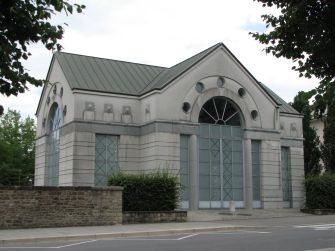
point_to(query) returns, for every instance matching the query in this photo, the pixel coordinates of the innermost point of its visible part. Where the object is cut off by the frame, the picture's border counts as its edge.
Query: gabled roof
(119, 77)
(169, 74)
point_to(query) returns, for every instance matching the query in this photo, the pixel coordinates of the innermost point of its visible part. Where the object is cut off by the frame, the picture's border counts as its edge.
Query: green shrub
(147, 192)
(320, 191)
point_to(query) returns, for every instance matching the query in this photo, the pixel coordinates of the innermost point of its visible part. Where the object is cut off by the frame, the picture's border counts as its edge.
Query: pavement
(199, 221)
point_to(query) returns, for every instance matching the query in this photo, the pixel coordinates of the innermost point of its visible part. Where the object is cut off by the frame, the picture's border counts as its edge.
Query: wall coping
(63, 188)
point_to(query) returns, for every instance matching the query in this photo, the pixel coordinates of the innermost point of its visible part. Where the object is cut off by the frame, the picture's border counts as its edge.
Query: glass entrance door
(220, 166)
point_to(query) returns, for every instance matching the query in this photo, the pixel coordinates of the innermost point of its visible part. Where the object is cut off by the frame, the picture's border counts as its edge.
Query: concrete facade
(149, 127)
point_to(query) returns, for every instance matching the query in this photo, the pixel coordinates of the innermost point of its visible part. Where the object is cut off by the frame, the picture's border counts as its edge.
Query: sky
(164, 33)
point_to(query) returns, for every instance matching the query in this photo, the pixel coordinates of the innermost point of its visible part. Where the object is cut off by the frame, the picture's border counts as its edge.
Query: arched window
(53, 145)
(221, 111)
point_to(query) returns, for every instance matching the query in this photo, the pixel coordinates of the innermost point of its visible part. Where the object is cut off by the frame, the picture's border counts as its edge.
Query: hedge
(147, 192)
(320, 191)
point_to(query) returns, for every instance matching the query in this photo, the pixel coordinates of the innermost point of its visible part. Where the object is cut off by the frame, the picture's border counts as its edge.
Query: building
(318, 124)
(207, 119)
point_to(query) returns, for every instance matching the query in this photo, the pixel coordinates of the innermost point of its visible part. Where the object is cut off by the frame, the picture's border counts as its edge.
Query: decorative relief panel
(89, 112)
(126, 115)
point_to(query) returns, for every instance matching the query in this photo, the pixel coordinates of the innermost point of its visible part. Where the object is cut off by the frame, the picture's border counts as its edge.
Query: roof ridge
(109, 59)
(209, 50)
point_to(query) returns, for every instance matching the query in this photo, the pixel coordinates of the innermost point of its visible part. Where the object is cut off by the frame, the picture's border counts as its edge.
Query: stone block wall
(28, 207)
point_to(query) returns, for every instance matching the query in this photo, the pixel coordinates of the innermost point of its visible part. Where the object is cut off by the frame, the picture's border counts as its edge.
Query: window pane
(106, 158)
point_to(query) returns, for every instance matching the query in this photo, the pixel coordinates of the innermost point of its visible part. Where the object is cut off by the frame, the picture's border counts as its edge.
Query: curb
(316, 211)
(101, 236)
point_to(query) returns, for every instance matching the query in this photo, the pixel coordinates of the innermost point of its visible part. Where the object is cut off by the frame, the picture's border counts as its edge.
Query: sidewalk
(199, 221)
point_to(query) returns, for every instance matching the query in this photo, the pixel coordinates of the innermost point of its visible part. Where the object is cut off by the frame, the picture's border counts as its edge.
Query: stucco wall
(23, 207)
(52, 92)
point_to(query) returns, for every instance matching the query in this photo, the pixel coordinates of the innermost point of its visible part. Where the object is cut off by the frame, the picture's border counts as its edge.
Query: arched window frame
(220, 110)
(53, 144)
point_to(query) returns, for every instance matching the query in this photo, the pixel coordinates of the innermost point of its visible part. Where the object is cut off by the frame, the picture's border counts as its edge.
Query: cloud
(26, 103)
(165, 33)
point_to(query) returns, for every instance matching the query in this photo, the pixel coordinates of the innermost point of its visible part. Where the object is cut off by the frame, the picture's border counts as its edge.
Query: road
(299, 233)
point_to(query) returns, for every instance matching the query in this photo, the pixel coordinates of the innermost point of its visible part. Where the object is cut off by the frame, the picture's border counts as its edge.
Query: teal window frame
(256, 169)
(106, 158)
(53, 145)
(184, 173)
(286, 174)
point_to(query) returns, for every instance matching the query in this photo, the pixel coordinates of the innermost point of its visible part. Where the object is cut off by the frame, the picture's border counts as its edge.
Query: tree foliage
(17, 148)
(303, 32)
(328, 146)
(23, 22)
(312, 153)
(320, 191)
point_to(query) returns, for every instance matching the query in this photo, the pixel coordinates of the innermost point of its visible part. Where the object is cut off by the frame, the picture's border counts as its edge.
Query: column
(248, 174)
(194, 162)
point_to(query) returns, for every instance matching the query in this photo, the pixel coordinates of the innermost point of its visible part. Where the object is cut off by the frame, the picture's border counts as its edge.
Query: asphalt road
(301, 233)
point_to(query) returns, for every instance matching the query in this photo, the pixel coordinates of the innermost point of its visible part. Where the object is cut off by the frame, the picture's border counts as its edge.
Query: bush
(147, 192)
(320, 191)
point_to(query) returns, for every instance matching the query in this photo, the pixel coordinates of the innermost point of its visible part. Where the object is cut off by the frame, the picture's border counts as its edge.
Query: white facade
(148, 128)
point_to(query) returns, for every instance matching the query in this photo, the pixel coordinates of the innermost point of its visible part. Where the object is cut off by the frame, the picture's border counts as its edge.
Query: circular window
(199, 87)
(254, 114)
(220, 110)
(220, 82)
(186, 107)
(241, 92)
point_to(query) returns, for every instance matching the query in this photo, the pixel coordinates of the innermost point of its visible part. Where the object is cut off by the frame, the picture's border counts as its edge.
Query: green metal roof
(169, 74)
(106, 75)
(284, 107)
(119, 77)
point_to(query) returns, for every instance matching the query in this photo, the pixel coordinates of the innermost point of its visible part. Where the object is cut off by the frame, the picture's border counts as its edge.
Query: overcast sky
(161, 32)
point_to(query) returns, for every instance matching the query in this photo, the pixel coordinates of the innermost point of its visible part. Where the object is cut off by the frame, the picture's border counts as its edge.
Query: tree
(312, 153)
(23, 22)
(328, 146)
(305, 33)
(17, 148)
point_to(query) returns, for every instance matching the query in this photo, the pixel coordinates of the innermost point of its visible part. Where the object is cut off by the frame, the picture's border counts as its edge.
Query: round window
(254, 114)
(199, 87)
(186, 107)
(241, 92)
(220, 82)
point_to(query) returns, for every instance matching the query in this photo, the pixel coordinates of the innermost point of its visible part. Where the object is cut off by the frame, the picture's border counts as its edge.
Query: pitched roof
(169, 74)
(284, 107)
(106, 75)
(120, 77)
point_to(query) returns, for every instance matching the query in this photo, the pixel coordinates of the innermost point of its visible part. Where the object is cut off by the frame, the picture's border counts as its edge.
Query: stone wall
(27, 207)
(130, 217)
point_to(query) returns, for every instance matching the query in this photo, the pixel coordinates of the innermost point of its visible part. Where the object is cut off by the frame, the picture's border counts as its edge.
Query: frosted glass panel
(255, 153)
(106, 158)
(184, 168)
(220, 166)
